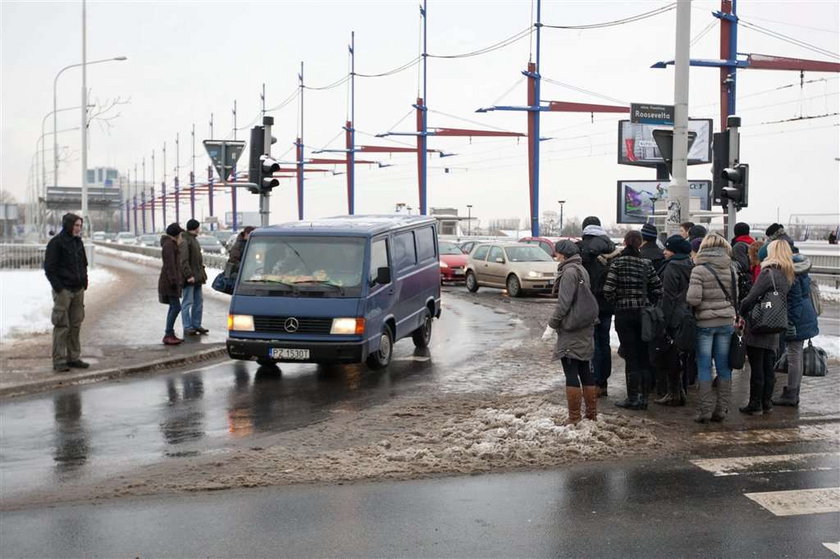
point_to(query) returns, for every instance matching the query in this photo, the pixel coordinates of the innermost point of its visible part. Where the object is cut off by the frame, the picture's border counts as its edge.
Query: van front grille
(305, 325)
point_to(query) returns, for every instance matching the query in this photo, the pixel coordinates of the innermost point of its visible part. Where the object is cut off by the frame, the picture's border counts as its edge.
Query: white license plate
(550, 282)
(457, 272)
(285, 353)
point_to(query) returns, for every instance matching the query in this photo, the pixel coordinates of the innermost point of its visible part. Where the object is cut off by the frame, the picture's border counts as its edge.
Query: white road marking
(750, 465)
(820, 432)
(798, 502)
(412, 358)
(835, 547)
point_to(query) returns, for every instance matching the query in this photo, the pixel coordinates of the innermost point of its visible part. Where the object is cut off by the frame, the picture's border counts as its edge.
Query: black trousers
(762, 376)
(628, 325)
(577, 372)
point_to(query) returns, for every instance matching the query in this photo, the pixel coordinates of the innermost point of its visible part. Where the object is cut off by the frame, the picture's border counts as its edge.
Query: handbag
(653, 323)
(222, 284)
(814, 361)
(769, 314)
(685, 330)
(584, 310)
(737, 344)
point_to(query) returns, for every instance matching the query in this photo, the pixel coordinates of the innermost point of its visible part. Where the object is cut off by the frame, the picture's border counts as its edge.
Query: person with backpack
(595, 250)
(680, 329)
(713, 292)
(802, 325)
(631, 286)
(741, 257)
(776, 276)
(574, 319)
(650, 250)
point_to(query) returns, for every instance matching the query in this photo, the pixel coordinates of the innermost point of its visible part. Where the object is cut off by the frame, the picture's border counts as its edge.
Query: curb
(26, 388)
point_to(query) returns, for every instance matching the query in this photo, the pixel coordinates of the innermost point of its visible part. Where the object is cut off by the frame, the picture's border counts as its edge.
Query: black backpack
(595, 268)
(744, 280)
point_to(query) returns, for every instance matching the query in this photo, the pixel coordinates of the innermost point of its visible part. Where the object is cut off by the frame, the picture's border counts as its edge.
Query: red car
(546, 243)
(453, 262)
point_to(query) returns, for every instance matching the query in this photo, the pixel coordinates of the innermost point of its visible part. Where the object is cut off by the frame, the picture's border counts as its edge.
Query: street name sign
(643, 113)
(224, 154)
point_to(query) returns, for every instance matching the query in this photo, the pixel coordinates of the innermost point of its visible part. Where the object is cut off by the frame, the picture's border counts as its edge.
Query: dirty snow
(26, 300)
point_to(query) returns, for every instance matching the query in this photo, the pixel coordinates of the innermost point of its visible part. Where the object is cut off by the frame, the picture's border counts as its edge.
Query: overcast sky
(187, 60)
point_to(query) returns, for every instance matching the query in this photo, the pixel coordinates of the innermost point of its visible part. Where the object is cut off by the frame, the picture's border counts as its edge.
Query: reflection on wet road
(87, 432)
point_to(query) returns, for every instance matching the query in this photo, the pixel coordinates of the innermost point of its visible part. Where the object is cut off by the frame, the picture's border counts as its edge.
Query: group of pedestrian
(691, 299)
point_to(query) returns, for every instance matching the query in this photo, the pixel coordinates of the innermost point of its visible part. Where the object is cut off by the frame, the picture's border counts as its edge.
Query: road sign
(224, 155)
(651, 114)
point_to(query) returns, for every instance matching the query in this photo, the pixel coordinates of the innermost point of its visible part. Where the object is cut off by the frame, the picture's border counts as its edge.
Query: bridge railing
(210, 260)
(22, 256)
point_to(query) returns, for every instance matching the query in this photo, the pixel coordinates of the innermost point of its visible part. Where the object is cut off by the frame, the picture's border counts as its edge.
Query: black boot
(632, 401)
(752, 407)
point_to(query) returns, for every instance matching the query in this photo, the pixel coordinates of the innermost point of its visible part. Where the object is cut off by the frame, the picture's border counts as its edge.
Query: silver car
(517, 267)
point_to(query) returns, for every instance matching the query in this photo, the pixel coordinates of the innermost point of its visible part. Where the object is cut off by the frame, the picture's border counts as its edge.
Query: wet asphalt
(84, 433)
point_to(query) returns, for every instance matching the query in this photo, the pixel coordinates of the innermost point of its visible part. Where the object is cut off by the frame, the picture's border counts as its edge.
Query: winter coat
(802, 317)
(171, 279)
(653, 254)
(740, 251)
(575, 344)
(712, 307)
(632, 283)
(235, 257)
(766, 279)
(676, 274)
(65, 261)
(594, 244)
(190, 259)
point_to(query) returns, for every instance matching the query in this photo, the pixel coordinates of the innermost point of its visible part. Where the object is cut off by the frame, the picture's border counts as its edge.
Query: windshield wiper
(324, 282)
(277, 282)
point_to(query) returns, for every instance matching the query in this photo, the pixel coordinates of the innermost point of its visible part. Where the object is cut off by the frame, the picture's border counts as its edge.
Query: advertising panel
(636, 198)
(636, 145)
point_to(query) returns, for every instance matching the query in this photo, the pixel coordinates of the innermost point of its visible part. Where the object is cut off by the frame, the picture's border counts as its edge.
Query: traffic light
(720, 160)
(739, 179)
(261, 167)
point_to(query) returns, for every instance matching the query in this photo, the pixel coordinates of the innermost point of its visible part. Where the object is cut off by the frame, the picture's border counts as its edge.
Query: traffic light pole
(265, 193)
(732, 125)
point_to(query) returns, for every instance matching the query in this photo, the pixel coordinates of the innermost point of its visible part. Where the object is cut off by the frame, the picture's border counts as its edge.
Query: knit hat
(566, 248)
(695, 244)
(697, 232)
(774, 230)
(192, 225)
(678, 245)
(590, 220)
(649, 231)
(173, 230)
(742, 229)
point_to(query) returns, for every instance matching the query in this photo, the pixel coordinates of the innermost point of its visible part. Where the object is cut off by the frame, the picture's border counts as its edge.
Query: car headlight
(443, 264)
(348, 326)
(533, 274)
(240, 322)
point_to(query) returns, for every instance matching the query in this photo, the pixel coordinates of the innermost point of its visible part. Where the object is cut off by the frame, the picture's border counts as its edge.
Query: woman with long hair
(713, 292)
(776, 275)
(170, 281)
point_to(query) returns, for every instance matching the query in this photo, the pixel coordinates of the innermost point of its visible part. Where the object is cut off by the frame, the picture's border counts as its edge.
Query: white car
(517, 267)
(125, 238)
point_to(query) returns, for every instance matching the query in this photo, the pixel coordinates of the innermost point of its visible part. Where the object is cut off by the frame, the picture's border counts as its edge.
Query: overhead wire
(788, 39)
(622, 21)
(582, 90)
(495, 46)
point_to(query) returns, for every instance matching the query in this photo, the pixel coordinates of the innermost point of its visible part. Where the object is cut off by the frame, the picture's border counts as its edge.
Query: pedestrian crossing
(781, 503)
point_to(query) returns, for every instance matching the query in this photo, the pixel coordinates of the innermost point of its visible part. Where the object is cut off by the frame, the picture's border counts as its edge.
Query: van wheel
(423, 335)
(265, 361)
(381, 358)
(514, 288)
(471, 282)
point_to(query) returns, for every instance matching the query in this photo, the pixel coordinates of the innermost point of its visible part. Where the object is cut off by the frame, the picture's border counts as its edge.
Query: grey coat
(763, 284)
(575, 344)
(712, 307)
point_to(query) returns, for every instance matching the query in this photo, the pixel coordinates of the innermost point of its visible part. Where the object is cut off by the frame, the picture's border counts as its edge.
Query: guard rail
(210, 260)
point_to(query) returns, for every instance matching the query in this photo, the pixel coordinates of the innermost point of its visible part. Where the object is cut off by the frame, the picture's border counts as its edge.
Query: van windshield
(304, 266)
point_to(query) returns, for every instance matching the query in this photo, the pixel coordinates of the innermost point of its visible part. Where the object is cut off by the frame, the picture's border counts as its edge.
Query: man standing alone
(192, 267)
(65, 265)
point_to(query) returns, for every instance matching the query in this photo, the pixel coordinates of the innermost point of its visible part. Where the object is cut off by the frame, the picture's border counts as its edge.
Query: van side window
(481, 253)
(425, 239)
(404, 255)
(495, 253)
(378, 257)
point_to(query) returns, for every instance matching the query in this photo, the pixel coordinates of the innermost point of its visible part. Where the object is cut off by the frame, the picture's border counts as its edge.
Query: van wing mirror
(383, 276)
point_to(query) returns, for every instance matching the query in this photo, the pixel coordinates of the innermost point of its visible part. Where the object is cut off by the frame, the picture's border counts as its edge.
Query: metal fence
(21, 256)
(210, 260)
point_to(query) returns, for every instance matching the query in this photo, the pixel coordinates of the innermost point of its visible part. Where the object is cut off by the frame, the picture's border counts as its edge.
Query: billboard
(636, 145)
(636, 198)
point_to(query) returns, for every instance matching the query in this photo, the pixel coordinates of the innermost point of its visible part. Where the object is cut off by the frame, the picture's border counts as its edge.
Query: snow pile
(26, 300)
(830, 294)
(830, 343)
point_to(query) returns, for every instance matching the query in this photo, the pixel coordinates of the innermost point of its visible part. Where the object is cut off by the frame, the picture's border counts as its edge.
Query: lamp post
(469, 220)
(561, 202)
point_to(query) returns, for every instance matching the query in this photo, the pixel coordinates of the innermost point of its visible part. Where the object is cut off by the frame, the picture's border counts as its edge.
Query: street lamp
(561, 202)
(469, 220)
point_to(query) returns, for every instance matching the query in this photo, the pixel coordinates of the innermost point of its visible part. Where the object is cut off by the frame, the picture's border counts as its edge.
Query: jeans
(577, 372)
(602, 359)
(794, 355)
(713, 343)
(192, 307)
(171, 315)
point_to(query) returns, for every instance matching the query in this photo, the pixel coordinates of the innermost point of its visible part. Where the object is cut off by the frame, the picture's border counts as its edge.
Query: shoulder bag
(737, 344)
(769, 314)
(584, 310)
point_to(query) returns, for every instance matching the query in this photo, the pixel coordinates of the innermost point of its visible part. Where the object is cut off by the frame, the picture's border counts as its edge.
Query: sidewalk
(121, 335)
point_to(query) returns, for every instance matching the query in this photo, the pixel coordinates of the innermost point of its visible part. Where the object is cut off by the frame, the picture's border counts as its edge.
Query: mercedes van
(335, 290)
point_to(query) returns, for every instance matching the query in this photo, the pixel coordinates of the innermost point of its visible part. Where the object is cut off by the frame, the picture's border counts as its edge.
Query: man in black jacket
(65, 265)
(594, 247)
(650, 250)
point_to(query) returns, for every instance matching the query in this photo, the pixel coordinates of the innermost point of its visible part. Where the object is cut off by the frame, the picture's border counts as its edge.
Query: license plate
(285, 353)
(457, 272)
(550, 282)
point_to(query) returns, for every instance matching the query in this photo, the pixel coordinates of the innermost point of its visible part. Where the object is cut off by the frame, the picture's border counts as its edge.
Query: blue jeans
(192, 307)
(171, 315)
(713, 343)
(602, 358)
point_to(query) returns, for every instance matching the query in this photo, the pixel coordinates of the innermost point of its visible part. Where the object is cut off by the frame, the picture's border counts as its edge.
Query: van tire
(265, 361)
(471, 282)
(380, 359)
(423, 335)
(514, 288)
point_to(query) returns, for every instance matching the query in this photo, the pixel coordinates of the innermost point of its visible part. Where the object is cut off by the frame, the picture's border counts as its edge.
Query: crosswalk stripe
(835, 547)
(800, 501)
(819, 432)
(741, 465)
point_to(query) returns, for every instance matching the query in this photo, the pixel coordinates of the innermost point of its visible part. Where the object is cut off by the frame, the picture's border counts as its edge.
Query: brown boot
(573, 397)
(590, 399)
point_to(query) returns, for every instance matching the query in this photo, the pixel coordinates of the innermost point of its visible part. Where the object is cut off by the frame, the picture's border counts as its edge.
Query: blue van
(336, 290)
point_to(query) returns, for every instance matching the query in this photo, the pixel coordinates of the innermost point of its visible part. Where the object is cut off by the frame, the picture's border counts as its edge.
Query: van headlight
(348, 326)
(240, 322)
(533, 274)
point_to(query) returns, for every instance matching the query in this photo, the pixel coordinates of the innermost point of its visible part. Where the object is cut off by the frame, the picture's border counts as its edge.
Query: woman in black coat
(776, 275)
(170, 281)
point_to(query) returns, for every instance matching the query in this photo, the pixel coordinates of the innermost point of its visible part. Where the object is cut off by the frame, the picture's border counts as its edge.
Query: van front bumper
(319, 352)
